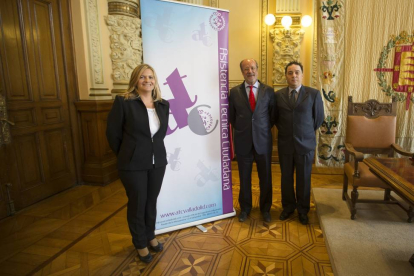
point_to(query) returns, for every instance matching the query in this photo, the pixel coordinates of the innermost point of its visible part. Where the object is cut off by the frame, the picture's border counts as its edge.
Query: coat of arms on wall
(402, 80)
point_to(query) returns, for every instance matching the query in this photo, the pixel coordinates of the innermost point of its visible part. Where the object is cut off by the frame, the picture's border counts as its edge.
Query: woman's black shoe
(145, 259)
(157, 248)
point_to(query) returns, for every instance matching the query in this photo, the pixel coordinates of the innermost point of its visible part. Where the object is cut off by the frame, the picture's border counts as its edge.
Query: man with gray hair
(251, 107)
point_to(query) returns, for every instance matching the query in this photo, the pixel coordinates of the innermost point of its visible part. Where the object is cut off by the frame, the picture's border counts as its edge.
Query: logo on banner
(200, 120)
(205, 175)
(162, 23)
(202, 35)
(403, 70)
(217, 21)
(173, 160)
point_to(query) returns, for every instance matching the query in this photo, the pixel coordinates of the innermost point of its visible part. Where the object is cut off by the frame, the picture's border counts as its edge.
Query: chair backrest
(371, 126)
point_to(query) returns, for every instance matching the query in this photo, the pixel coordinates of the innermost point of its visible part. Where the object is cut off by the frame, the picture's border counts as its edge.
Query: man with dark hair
(298, 114)
(251, 115)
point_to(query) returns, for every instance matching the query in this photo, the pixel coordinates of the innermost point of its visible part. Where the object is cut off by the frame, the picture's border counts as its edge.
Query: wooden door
(39, 161)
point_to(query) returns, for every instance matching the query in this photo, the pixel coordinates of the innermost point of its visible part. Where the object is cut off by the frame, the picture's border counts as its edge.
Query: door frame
(72, 86)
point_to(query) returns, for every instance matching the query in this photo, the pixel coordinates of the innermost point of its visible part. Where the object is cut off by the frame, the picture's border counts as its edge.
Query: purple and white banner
(188, 47)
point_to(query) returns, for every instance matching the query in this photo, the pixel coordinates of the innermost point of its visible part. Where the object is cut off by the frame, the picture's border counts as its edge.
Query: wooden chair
(371, 128)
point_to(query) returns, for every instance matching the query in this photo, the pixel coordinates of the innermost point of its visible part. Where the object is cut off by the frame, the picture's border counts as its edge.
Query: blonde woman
(137, 125)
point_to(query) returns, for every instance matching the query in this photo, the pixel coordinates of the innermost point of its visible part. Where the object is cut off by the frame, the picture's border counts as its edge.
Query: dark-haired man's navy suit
(297, 124)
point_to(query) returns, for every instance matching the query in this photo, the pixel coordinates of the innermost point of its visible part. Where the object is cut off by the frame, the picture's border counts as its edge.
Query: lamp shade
(270, 19)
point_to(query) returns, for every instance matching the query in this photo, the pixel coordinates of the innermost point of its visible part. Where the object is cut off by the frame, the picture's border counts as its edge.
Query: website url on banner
(189, 210)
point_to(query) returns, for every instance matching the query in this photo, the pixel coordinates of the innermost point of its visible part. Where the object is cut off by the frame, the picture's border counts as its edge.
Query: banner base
(194, 223)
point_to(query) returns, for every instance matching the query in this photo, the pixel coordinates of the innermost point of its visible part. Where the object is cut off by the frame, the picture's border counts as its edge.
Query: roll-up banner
(188, 47)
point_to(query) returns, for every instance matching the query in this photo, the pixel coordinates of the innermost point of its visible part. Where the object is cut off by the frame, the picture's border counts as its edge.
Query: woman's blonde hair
(132, 92)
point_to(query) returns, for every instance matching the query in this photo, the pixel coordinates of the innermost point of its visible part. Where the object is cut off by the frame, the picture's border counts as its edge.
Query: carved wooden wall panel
(45, 49)
(15, 72)
(99, 162)
(57, 152)
(27, 155)
(40, 158)
(52, 115)
(23, 117)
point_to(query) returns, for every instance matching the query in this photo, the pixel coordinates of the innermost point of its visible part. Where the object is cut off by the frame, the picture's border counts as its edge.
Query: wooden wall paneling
(99, 162)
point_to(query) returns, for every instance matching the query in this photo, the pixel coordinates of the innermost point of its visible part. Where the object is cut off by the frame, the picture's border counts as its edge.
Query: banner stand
(188, 47)
(194, 223)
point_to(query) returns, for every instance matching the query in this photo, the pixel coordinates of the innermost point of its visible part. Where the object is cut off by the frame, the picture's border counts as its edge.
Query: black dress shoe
(266, 217)
(157, 248)
(146, 259)
(242, 216)
(285, 215)
(303, 218)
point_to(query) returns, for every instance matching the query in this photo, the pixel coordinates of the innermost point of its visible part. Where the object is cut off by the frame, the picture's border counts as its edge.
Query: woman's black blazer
(129, 134)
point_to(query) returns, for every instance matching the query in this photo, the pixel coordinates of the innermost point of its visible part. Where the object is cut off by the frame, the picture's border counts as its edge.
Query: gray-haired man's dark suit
(253, 141)
(296, 143)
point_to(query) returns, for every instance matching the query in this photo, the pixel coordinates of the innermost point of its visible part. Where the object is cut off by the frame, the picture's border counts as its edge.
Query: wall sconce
(287, 35)
(270, 19)
(306, 21)
(286, 22)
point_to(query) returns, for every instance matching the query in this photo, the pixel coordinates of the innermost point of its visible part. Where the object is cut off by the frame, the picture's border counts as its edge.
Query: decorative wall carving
(126, 46)
(126, 43)
(214, 3)
(286, 48)
(263, 44)
(95, 51)
(129, 8)
(288, 6)
(314, 77)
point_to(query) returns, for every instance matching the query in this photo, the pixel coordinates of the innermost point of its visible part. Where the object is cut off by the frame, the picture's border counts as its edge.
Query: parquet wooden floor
(83, 231)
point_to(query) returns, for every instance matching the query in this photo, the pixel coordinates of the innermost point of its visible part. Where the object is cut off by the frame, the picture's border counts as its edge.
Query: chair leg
(354, 198)
(387, 194)
(345, 187)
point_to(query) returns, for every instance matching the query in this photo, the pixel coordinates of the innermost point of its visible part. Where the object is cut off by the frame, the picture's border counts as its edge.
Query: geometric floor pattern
(83, 231)
(253, 247)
